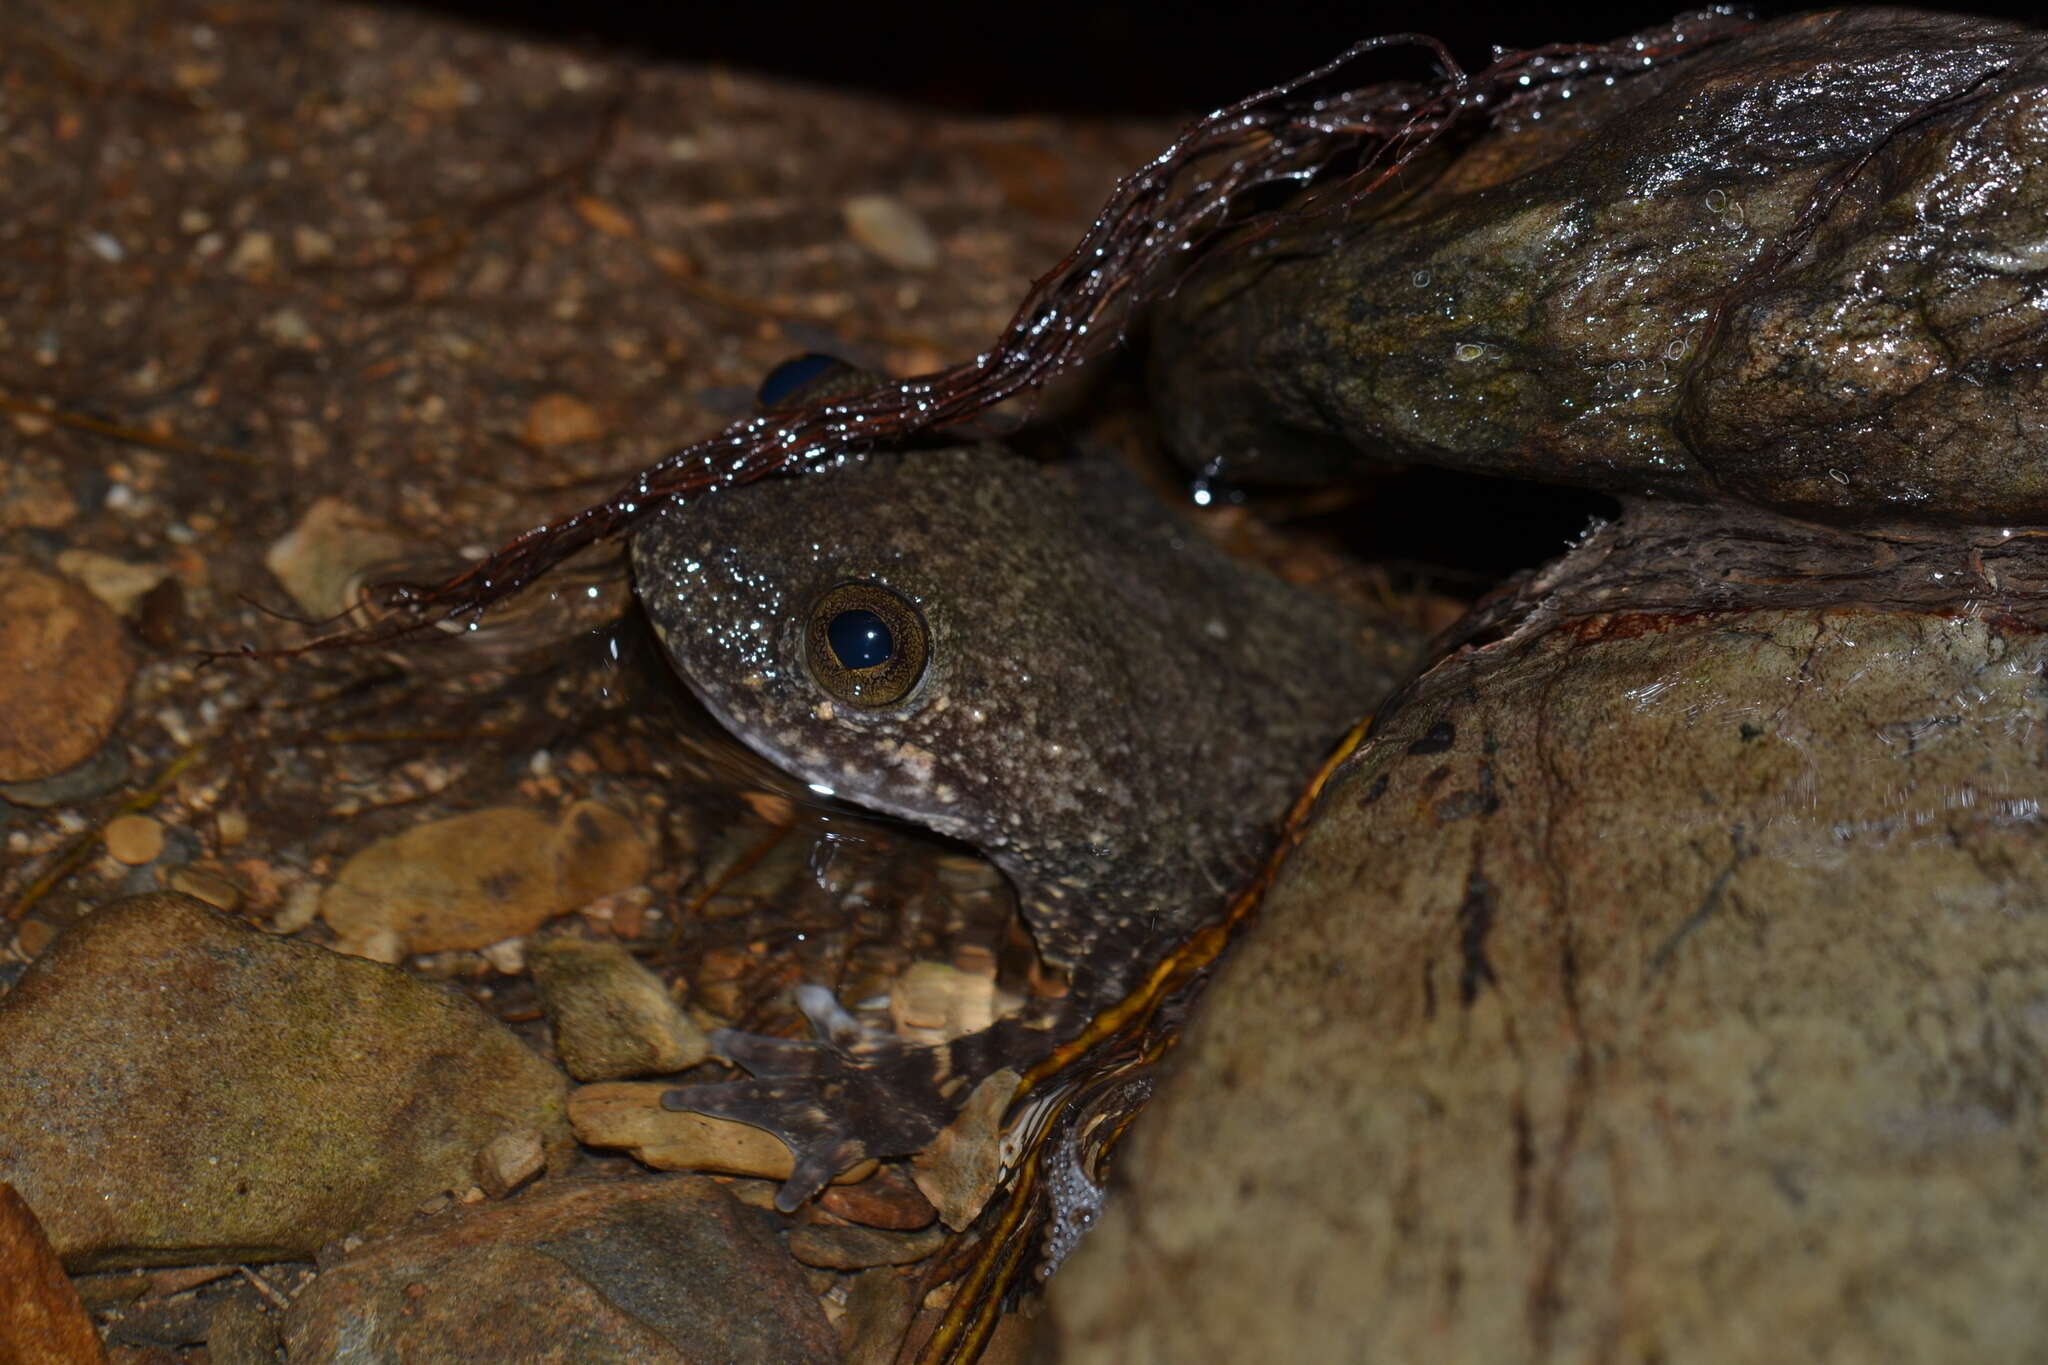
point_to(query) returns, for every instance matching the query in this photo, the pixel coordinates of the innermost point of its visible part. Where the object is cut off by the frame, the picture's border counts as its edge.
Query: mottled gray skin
(1596, 296)
(1114, 711)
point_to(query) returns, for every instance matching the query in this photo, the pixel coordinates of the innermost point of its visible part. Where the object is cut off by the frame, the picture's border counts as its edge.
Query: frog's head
(1033, 658)
(838, 625)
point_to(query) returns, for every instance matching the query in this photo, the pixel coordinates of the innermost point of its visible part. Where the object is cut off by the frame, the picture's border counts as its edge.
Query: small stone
(29, 499)
(241, 1333)
(311, 245)
(612, 1017)
(892, 230)
(319, 561)
(890, 1200)
(159, 616)
(507, 955)
(628, 1114)
(231, 826)
(509, 1160)
(378, 945)
(958, 1170)
(301, 907)
(933, 1003)
(254, 256)
(119, 583)
(33, 936)
(561, 419)
(134, 839)
(64, 671)
(474, 880)
(832, 1247)
(880, 1304)
(606, 217)
(200, 884)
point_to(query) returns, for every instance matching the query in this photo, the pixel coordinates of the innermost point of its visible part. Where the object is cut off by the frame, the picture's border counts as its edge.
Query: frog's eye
(866, 645)
(788, 383)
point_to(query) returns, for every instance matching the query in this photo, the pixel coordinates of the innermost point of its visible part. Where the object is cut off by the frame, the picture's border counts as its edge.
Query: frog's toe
(810, 1115)
(834, 1103)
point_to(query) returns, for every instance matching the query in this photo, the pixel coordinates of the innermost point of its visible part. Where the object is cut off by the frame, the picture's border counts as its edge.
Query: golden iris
(866, 645)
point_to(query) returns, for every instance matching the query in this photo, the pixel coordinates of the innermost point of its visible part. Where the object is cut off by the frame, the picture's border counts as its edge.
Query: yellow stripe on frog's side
(971, 1318)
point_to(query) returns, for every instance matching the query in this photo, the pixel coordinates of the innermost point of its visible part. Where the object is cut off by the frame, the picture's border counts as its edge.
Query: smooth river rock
(660, 1271)
(1658, 982)
(177, 1087)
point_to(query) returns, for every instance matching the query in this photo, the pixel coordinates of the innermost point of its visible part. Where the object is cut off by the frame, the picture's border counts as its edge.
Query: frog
(1034, 656)
(1660, 977)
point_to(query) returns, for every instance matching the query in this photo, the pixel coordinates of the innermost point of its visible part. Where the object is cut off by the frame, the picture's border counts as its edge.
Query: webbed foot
(851, 1095)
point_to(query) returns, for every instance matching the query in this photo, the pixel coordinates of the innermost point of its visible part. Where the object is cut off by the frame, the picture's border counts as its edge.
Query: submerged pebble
(64, 673)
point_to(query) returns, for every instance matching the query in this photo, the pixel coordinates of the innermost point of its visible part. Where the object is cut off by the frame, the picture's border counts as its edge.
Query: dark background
(1067, 55)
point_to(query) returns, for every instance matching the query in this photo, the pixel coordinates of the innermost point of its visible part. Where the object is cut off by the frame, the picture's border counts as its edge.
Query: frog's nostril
(860, 639)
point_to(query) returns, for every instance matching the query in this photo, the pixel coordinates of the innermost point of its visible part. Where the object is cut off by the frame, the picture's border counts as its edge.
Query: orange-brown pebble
(64, 670)
(888, 1200)
(33, 936)
(560, 419)
(135, 839)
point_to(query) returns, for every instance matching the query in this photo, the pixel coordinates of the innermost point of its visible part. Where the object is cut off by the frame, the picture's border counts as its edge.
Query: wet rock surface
(1510, 1077)
(612, 1017)
(177, 1087)
(630, 1115)
(1800, 269)
(656, 1270)
(1662, 978)
(476, 879)
(854, 1248)
(41, 1317)
(1657, 981)
(64, 670)
(275, 307)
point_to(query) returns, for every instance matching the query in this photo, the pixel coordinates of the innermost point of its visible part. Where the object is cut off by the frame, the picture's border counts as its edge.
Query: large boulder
(1657, 983)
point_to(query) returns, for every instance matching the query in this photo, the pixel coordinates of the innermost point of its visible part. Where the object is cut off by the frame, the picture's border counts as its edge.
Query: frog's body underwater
(1033, 657)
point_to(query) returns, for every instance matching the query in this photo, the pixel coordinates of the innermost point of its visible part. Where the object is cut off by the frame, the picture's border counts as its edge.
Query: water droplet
(1421, 278)
(1468, 351)
(1717, 200)
(1839, 477)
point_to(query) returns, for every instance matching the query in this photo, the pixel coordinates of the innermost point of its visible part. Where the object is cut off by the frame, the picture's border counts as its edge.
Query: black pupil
(861, 639)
